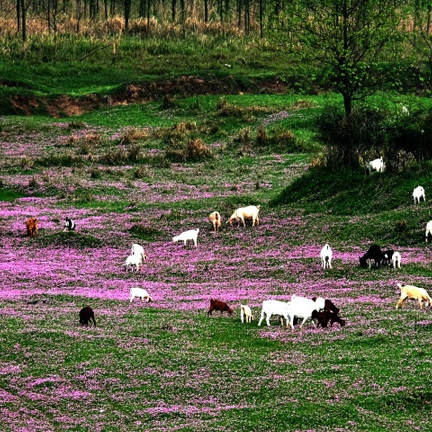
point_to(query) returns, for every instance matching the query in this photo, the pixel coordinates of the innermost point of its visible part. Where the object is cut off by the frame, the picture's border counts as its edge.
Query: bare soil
(184, 86)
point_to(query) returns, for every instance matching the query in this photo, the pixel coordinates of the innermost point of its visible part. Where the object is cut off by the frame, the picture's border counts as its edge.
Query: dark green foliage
(348, 139)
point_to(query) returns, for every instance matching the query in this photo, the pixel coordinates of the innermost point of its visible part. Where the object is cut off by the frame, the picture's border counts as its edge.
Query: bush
(348, 138)
(193, 151)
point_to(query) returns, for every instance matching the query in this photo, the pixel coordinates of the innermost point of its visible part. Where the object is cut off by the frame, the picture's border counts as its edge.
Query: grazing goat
(323, 318)
(134, 260)
(273, 307)
(428, 230)
(418, 193)
(216, 220)
(326, 305)
(377, 165)
(242, 213)
(246, 313)
(138, 250)
(300, 307)
(220, 306)
(387, 257)
(396, 260)
(326, 256)
(86, 316)
(373, 253)
(32, 227)
(140, 293)
(69, 225)
(187, 235)
(415, 293)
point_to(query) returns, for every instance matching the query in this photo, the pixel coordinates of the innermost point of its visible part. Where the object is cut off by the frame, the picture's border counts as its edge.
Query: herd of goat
(319, 310)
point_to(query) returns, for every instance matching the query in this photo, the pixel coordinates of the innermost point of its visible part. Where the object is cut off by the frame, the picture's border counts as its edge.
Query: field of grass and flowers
(130, 174)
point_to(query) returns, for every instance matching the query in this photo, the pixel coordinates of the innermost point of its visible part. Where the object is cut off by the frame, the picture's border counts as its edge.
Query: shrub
(348, 138)
(193, 151)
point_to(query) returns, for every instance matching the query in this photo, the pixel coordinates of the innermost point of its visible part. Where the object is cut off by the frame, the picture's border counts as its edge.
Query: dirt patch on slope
(184, 86)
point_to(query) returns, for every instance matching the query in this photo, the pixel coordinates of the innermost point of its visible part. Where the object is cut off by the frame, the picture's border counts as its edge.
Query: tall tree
(349, 36)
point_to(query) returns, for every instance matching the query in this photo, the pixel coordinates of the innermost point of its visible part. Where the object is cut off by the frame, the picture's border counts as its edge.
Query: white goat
(301, 307)
(138, 250)
(215, 219)
(273, 307)
(413, 292)
(140, 293)
(133, 260)
(326, 256)
(246, 313)
(187, 235)
(376, 165)
(428, 230)
(242, 213)
(396, 260)
(419, 193)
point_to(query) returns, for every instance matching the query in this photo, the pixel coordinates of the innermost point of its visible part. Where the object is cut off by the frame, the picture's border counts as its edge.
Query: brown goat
(323, 318)
(32, 227)
(86, 315)
(220, 306)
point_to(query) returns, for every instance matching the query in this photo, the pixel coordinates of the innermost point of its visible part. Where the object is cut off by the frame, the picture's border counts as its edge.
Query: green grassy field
(129, 174)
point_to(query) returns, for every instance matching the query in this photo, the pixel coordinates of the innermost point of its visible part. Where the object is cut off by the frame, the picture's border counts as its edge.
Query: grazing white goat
(216, 221)
(418, 193)
(133, 260)
(301, 307)
(396, 260)
(187, 235)
(413, 292)
(242, 213)
(140, 293)
(376, 165)
(326, 256)
(138, 250)
(428, 230)
(273, 307)
(246, 313)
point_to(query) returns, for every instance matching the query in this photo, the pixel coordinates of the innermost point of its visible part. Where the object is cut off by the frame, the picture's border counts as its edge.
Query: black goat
(86, 315)
(374, 253)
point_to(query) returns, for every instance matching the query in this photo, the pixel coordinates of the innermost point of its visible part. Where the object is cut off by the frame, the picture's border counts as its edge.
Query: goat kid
(246, 314)
(418, 194)
(377, 165)
(86, 316)
(140, 293)
(32, 227)
(138, 250)
(69, 225)
(324, 317)
(326, 256)
(396, 260)
(220, 306)
(187, 235)
(134, 260)
(215, 220)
